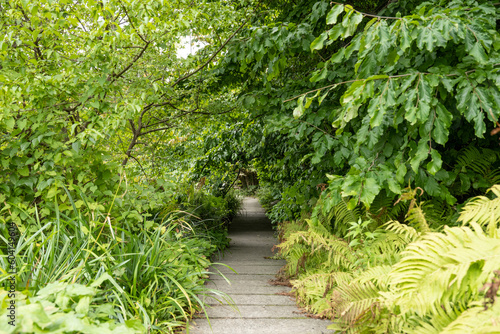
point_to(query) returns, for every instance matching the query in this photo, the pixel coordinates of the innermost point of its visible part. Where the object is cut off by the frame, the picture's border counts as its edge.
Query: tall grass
(152, 274)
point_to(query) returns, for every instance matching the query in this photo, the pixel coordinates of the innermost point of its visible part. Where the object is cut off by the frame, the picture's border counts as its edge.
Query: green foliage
(408, 92)
(158, 270)
(382, 102)
(84, 85)
(66, 308)
(402, 279)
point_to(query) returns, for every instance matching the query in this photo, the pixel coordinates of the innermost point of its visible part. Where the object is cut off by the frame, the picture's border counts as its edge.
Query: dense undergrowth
(89, 272)
(430, 273)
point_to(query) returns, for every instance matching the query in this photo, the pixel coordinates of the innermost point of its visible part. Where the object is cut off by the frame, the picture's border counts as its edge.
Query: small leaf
(352, 25)
(435, 164)
(24, 171)
(322, 97)
(478, 53)
(401, 173)
(332, 16)
(317, 44)
(370, 190)
(320, 75)
(299, 110)
(442, 124)
(338, 57)
(420, 155)
(10, 122)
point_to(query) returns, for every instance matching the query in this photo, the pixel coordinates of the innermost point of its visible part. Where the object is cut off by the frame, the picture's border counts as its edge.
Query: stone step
(254, 311)
(267, 300)
(244, 287)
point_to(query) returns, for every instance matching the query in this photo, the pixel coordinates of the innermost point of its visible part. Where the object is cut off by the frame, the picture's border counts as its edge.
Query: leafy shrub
(267, 195)
(159, 267)
(62, 307)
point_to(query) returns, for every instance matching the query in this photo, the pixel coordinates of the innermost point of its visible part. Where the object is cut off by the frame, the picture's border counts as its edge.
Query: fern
(476, 320)
(408, 278)
(407, 232)
(357, 304)
(484, 211)
(335, 217)
(312, 290)
(478, 161)
(441, 267)
(478, 166)
(416, 217)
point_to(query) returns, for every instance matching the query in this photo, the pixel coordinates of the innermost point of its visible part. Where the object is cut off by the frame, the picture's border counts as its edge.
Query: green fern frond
(357, 303)
(382, 207)
(440, 267)
(378, 275)
(409, 233)
(330, 250)
(311, 290)
(477, 161)
(476, 320)
(493, 176)
(440, 319)
(385, 249)
(416, 217)
(484, 211)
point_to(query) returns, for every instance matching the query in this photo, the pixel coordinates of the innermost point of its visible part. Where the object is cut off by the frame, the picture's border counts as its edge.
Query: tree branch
(212, 57)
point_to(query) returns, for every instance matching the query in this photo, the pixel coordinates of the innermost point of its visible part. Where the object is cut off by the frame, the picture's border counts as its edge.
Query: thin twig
(370, 15)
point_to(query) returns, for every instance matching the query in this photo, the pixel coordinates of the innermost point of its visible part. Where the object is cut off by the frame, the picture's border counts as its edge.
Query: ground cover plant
(399, 277)
(80, 274)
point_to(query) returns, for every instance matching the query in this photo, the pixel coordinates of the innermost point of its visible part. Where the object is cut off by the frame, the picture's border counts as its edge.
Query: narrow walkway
(261, 309)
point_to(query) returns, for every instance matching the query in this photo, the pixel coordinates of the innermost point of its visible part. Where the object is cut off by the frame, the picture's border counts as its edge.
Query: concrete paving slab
(247, 278)
(269, 300)
(244, 269)
(254, 311)
(261, 326)
(247, 287)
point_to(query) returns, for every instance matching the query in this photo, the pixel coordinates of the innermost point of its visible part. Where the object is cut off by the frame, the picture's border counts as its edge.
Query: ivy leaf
(317, 44)
(332, 16)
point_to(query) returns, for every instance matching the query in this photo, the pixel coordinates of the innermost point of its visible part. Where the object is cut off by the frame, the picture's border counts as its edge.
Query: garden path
(263, 308)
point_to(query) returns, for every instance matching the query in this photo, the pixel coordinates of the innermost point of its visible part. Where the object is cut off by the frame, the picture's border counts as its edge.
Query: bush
(158, 266)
